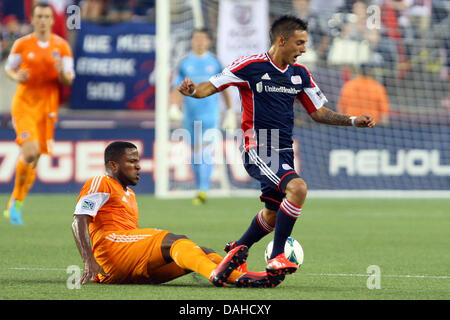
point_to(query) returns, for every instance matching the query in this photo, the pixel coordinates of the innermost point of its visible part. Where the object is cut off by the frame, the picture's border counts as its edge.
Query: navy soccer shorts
(273, 169)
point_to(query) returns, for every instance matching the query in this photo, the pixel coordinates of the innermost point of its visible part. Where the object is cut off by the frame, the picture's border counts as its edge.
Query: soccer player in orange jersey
(38, 62)
(115, 250)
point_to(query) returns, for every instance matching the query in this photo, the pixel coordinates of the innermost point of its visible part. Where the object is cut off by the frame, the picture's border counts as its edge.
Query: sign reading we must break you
(113, 65)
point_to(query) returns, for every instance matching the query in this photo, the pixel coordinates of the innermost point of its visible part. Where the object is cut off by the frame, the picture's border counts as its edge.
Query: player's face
(200, 42)
(294, 46)
(42, 19)
(129, 167)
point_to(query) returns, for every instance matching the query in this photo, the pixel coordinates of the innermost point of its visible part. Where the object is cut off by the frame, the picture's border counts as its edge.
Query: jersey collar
(275, 65)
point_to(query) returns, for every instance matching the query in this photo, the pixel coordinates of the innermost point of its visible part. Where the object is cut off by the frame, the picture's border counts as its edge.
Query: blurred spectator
(119, 11)
(356, 41)
(356, 28)
(93, 10)
(318, 38)
(418, 15)
(439, 10)
(16, 8)
(10, 30)
(362, 95)
(391, 13)
(144, 10)
(325, 7)
(361, 42)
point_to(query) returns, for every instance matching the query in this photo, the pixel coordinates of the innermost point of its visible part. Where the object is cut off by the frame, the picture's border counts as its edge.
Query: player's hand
(229, 121)
(365, 121)
(175, 113)
(58, 64)
(91, 269)
(187, 87)
(22, 76)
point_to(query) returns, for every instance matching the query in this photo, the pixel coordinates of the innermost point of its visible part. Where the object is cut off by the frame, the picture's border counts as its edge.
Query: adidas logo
(266, 77)
(124, 199)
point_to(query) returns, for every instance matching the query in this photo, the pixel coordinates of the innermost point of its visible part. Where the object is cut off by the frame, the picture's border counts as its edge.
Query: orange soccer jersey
(125, 252)
(35, 103)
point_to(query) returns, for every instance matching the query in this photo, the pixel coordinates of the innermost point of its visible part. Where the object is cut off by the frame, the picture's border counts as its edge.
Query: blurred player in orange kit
(115, 250)
(39, 63)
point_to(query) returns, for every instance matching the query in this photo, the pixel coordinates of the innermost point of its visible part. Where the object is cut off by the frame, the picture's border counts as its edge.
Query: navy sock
(256, 231)
(286, 217)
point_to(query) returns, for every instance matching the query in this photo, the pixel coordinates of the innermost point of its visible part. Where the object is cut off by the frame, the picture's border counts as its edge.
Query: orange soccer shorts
(30, 127)
(134, 256)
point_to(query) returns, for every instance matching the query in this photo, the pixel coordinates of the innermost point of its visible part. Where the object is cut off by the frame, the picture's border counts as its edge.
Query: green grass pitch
(408, 239)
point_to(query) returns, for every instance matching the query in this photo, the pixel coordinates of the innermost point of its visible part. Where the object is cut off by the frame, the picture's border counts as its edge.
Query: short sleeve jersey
(267, 95)
(199, 69)
(111, 207)
(28, 53)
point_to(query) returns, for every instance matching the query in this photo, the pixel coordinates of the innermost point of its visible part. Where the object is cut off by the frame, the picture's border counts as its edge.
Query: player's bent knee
(30, 158)
(167, 243)
(270, 216)
(297, 188)
(171, 238)
(30, 152)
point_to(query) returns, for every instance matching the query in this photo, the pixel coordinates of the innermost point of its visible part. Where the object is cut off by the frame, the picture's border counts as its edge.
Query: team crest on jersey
(296, 79)
(30, 55)
(56, 54)
(259, 87)
(88, 205)
(24, 135)
(320, 94)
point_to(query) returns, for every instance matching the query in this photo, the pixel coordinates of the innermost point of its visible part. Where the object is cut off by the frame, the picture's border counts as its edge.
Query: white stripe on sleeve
(67, 63)
(226, 77)
(13, 62)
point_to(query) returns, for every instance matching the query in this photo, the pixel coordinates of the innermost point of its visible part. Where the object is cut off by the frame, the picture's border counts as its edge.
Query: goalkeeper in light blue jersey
(200, 115)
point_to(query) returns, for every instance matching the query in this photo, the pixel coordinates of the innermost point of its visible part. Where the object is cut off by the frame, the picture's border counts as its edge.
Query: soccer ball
(292, 249)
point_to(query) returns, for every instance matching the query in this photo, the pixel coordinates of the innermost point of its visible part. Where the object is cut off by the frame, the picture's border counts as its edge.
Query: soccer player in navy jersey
(268, 84)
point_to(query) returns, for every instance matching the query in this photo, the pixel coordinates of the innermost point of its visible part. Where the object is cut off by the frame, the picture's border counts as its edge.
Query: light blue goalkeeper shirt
(199, 69)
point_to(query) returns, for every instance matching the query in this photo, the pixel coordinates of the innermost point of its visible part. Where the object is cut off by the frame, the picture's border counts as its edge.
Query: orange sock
(25, 176)
(216, 258)
(188, 255)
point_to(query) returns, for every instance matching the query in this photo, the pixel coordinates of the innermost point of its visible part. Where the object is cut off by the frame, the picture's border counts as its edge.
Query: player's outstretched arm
(327, 116)
(80, 230)
(202, 90)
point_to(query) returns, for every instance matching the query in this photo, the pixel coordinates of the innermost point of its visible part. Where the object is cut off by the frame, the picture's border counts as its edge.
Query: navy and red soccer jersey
(267, 95)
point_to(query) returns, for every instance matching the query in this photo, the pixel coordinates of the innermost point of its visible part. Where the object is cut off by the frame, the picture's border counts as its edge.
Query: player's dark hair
(202, 30)
(116, 149)
(40, 5)
(285, 26)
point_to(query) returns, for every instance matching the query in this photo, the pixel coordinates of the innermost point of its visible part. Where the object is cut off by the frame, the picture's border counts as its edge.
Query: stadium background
(405, 44)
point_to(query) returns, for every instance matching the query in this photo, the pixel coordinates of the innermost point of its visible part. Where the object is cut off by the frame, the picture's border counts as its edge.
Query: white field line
(382, 275)
(307, 274)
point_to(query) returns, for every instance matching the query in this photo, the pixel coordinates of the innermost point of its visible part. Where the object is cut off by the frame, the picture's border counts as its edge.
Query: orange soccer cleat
(232, 260)
(231, 245)
(280, 265)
